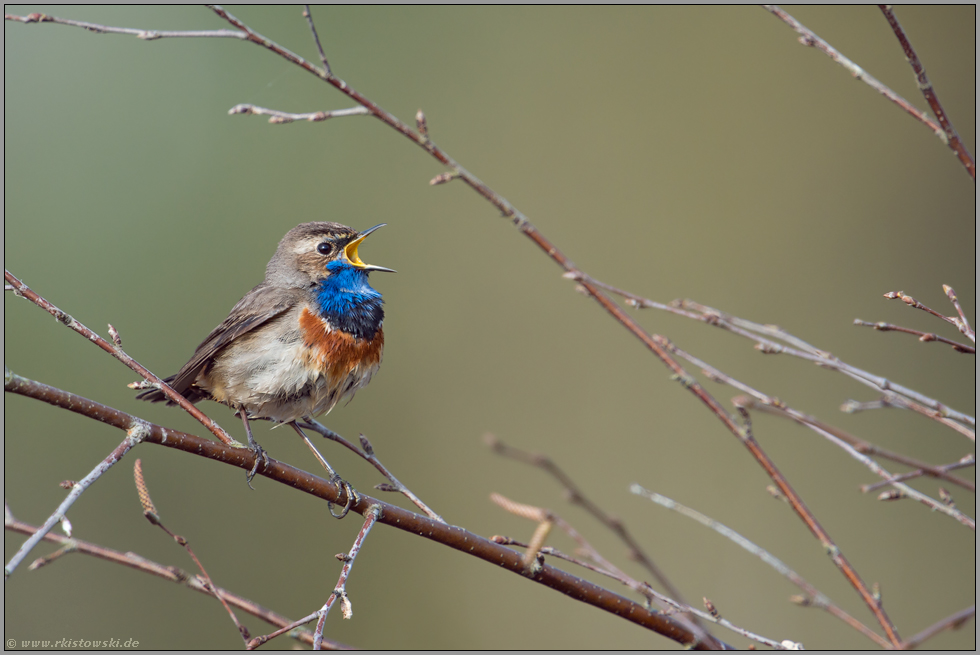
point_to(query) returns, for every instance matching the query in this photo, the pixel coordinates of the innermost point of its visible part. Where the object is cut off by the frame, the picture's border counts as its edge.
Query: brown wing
(260, 305)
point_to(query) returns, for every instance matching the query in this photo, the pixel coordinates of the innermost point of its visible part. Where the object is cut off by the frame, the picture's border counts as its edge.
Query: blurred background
(676, 152)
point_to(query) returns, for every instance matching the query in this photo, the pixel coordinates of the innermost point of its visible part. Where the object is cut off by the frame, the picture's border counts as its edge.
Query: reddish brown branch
(172, 573)
(24, 291)
(452, 536)
(952, 138)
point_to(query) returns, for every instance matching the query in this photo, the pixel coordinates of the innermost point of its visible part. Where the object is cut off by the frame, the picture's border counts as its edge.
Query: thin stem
(967, 461)
(171, 573)
(923, 336)
(24, 291)
(282, 117)
(316, 38)
(963, 325)
(368, 455)
(136, 434)
(146, 35)
(576, 496)
(371, 517)
(817, 598)
(951, 622)
(952, 138)
(808, 38)
(776, 408)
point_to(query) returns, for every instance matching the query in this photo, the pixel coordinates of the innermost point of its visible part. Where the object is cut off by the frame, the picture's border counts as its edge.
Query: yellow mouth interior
(350, 250)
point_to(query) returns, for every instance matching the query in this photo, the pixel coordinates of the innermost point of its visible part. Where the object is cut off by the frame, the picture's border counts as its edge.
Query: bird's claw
(260, 456)
(349, 492)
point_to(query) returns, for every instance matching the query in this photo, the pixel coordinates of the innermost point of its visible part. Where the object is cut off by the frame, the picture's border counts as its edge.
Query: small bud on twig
(116, 339)
(420, 122)
(442, 178)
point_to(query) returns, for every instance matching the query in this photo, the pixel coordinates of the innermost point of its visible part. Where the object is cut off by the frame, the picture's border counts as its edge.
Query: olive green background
(676, 152)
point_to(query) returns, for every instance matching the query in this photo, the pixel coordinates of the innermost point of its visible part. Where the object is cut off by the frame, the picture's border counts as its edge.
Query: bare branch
(145, 35)
(810, 39)
(952, 138)
(24, 291)
(171, 573)
(282, 117)
(923, 336)
(953, 622)
(452, 536)
(816, 597)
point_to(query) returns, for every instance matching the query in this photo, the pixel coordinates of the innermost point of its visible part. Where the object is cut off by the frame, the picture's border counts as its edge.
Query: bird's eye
(324, 248)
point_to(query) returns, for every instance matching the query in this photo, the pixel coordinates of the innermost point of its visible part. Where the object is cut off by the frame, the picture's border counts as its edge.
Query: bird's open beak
(350, 251)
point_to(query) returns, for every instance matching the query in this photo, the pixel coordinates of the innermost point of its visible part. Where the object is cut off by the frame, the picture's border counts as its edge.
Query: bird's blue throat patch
(347, 300)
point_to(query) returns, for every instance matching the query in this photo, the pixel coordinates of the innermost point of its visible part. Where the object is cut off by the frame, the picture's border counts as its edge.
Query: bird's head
(313, 252)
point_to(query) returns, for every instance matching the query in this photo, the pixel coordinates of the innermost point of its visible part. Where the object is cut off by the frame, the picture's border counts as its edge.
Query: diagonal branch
(113, 349)
(952, 138)
(816, 597)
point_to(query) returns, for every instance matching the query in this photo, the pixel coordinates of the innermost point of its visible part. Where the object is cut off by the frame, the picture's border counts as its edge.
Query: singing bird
(304, 339)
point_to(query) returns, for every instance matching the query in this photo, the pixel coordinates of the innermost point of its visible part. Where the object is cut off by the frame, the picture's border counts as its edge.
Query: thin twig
(953, 622)
(810, 39)
(340, 590)
(609, 569)
(905, 490)
(151, 514)
(923, 336)
(146, 35)
(367, 453)
(575, 496)
(316, 38)
(777, 408)
(952, 138)
(371, 516)
(889, 399)
(963, 325)
(171, 573)
(801, 349)
(967, 461)
(816, 597)
(24, 291)
(136, 434)
(282, 117)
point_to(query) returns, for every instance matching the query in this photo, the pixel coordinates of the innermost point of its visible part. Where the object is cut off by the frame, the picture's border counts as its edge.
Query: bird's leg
(254, 447)
(348, 490)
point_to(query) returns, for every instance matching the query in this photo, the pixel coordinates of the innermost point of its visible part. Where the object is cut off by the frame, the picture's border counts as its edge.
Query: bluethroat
(304, 339)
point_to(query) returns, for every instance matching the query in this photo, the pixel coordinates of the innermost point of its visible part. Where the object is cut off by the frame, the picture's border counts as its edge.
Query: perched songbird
(297, 344)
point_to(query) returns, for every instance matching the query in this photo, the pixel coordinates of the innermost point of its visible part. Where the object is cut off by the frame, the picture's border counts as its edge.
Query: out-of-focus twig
(171, 573)
(816, 597)
(808, 38)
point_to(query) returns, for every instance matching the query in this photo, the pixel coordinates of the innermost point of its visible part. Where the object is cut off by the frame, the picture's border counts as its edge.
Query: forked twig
(134, 435)
(366, 452)
(171, 573)
(808, 38)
